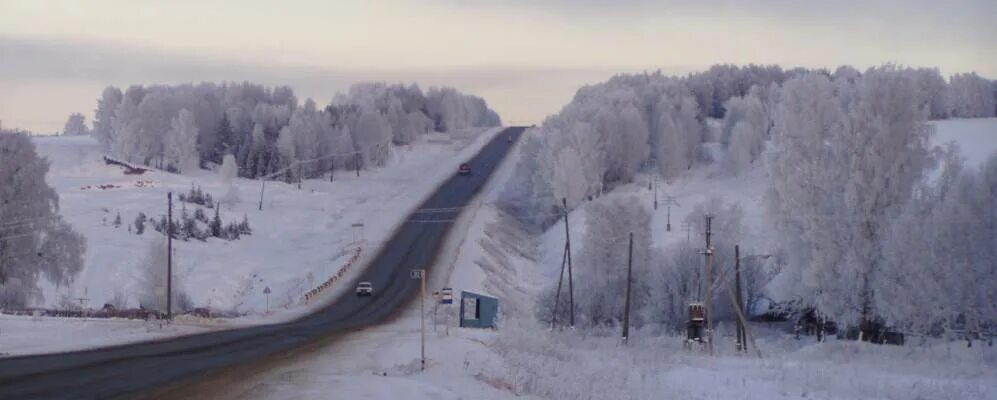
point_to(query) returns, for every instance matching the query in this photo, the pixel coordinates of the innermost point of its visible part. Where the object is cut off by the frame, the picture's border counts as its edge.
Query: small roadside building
(477, 310)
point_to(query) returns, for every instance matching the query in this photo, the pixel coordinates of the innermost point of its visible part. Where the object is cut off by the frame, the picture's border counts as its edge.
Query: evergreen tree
(216, 224)
(140, 223)
(244, 225)
(223, 139)
(117, 220)
(199, 215)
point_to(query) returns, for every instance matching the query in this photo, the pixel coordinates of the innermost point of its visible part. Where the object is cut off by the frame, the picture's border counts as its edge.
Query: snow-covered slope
(299, 233)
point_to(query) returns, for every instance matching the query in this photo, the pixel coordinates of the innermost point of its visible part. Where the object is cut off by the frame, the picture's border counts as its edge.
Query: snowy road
(136, 369)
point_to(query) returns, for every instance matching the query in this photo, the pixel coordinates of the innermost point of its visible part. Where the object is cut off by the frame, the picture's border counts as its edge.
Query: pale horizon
(526, 59)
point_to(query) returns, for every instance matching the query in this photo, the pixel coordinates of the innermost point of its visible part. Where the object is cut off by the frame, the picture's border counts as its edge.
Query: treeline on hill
(189, 126)
(611, 130)
(867, 237)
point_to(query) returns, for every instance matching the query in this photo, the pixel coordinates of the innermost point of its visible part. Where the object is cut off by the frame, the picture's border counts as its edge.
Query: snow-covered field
(299, 238)
(523, 359)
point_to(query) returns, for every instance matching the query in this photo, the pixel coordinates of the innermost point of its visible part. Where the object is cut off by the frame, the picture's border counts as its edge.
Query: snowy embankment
(300, 238)
(651, 366)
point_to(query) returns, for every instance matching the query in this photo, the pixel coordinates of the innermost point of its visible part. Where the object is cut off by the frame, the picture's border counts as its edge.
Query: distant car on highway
(510, 138)
(365, 289)
(464, 169)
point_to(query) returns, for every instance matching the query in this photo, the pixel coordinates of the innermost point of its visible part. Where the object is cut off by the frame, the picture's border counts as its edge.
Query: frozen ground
(20, 335)
(299, 238)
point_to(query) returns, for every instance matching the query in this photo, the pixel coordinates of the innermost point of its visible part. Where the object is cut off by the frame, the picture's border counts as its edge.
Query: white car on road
(365, 289)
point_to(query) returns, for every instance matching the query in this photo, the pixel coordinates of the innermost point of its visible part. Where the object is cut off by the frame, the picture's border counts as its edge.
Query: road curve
(136, 369)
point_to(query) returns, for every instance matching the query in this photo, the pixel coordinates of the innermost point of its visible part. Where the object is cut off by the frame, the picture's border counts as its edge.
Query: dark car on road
(464, 169)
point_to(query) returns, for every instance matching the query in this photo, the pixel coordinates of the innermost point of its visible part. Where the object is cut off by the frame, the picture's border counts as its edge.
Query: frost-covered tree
(931, 91)
(104, 115)
(679, 134)
(229, 169)
(76, 125)
(371, 137)
(181, 142)
(970, 96)
(941, 269)
(745, 131)
(245, 120)
(34, 239)
(152, 280)
(839, 177)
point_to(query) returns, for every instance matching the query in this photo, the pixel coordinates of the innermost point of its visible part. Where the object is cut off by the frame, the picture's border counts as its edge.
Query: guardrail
(314, 293)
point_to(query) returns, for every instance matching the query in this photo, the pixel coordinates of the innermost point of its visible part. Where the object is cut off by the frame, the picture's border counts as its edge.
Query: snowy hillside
(491, 255)
(299, 238)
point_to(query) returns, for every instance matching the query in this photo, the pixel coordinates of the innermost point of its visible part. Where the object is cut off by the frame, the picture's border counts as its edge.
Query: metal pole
(169, 255)
(626, 304)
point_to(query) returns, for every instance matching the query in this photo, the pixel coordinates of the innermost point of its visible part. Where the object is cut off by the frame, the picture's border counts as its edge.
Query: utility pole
(655, 180)
(626, 304)
(742, 344)
(571, 283)
(263, 181)
(709, 285)
(560, 280)
(687, 227)
(669, 201)
(169, 255)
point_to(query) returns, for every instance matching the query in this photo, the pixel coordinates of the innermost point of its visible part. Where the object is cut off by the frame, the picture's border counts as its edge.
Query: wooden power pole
(626, 304)
(709, 285)
(169, 255)
(742, 344)
(571, 283)
(560, 281)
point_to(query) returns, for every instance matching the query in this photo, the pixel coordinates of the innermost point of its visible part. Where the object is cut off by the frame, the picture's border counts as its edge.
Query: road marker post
(420, 274)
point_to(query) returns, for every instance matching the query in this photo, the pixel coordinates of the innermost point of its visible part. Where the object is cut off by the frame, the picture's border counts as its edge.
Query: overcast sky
(525, 57)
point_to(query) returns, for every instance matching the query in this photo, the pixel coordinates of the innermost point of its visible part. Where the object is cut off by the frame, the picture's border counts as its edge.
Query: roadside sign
(266, 290)
(446, 296)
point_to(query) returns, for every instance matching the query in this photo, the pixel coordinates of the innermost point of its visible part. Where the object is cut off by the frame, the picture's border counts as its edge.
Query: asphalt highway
(136, 369)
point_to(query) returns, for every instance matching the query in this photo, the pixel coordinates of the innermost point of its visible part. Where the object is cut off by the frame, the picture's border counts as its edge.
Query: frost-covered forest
(851, 177)
(188, 126)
